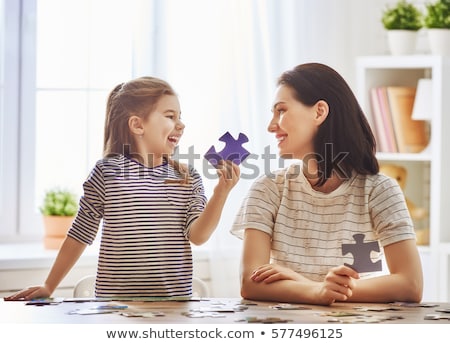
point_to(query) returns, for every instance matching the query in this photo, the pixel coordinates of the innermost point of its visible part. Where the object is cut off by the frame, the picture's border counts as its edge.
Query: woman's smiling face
(294, 124)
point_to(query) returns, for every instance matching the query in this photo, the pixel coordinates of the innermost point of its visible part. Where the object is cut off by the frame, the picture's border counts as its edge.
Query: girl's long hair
(137, 97)
(344, 142)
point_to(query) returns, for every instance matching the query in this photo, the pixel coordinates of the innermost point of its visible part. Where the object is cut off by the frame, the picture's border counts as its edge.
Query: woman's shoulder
(378, 184)
(278, 179)
(379, 180)
(272, 177)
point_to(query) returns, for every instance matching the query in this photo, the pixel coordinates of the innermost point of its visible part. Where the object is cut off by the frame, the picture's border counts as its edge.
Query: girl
(151, 206)
(294, 223)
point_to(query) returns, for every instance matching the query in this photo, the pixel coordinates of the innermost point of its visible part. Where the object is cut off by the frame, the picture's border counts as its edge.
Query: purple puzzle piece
(361, 254)
(233, 150)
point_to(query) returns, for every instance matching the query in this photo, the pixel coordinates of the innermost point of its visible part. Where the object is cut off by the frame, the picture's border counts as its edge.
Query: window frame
(19, 219)
(14, 57)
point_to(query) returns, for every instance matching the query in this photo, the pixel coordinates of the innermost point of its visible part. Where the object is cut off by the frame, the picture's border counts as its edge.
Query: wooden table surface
(217, 311)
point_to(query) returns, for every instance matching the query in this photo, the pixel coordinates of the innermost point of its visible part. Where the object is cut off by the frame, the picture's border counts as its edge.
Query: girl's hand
(29, 293)
(270, 273)
(229, 174)
(337, 284)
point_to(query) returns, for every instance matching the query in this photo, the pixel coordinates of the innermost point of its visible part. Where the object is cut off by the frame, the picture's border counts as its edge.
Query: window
(69, 54)
(10, 24)
(72, 54)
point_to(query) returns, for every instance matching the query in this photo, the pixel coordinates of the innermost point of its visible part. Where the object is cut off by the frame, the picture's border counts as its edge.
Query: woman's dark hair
(344, 141)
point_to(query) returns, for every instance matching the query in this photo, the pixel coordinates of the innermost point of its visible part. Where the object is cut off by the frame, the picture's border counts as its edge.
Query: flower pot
(439, 40)
(56, 228)
(402, 42)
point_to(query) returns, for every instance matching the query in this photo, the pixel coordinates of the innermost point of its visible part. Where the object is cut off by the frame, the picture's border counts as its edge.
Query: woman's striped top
(145, 248)
(308, 227)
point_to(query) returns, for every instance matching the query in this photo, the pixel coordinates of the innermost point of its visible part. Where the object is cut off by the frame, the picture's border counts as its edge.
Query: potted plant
(437, 22)
(58, 210)
(402, 23)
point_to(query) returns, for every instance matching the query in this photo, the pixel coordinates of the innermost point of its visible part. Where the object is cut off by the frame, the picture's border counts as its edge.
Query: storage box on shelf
(428, 184)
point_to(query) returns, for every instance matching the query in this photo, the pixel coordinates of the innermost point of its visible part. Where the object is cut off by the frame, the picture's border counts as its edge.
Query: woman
(294, 222)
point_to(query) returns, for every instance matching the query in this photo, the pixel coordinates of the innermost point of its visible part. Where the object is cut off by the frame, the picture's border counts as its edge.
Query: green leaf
(403, 16)
(438, 15)
(59, 202)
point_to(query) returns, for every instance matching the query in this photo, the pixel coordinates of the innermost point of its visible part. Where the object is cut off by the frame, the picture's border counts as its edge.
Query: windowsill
(14, 256)
(34, 255)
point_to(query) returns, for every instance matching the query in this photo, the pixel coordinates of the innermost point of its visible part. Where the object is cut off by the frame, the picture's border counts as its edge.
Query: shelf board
(404, 156)
(401, 62)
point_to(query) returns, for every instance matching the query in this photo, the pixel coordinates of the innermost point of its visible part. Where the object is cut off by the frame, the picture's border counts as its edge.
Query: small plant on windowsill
(402, 23)
(58, 210)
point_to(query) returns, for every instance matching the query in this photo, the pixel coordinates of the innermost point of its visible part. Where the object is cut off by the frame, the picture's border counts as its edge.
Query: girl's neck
(150, 160)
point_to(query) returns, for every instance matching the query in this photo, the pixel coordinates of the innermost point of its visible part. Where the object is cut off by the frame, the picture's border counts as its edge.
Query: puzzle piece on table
(377, 309)
(288, 306)
(436, 317)
(44, 301)
(355, 320)
(233, 150)
(198, 314)
(365, 319)
(340, 314)
(142, 314)
(414, 305)
(221, 308)
(90, 311)
(268, 320)
(248, 303)
(349, 318)
(361, 254)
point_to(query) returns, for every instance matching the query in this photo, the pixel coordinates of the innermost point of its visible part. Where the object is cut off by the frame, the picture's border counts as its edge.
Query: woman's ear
(322, 111)
(135, 124)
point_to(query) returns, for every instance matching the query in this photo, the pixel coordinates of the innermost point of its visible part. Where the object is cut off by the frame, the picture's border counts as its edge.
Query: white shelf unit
(428, 181)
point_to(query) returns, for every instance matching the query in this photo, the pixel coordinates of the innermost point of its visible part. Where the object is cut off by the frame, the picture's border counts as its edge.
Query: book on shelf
(376, 122)
(395, 129)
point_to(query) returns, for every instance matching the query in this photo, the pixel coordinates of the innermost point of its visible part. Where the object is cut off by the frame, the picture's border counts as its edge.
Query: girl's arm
(404, 283)
(202, 227)
(68, 255)
(263, 281)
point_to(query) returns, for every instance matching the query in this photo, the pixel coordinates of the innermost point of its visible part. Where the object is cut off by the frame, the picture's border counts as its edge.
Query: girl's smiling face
(157, 134)
(295, 124)
(162, 129)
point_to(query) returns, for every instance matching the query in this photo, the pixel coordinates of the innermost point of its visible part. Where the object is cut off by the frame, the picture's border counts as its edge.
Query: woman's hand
(337, 285)
(29, 293)
(269, 273)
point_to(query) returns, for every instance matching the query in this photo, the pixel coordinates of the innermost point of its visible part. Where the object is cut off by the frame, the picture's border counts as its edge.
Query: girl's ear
(322, 111)
(135, 124)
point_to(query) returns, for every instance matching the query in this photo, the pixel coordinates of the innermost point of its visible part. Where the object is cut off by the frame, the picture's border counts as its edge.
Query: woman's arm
(263, 281)
(404, 283)
(68, 255)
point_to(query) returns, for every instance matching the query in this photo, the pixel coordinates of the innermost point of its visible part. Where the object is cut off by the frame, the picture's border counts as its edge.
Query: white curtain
(223, 58)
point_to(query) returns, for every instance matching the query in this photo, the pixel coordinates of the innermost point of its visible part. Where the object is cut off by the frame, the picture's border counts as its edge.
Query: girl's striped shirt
(144, 249)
